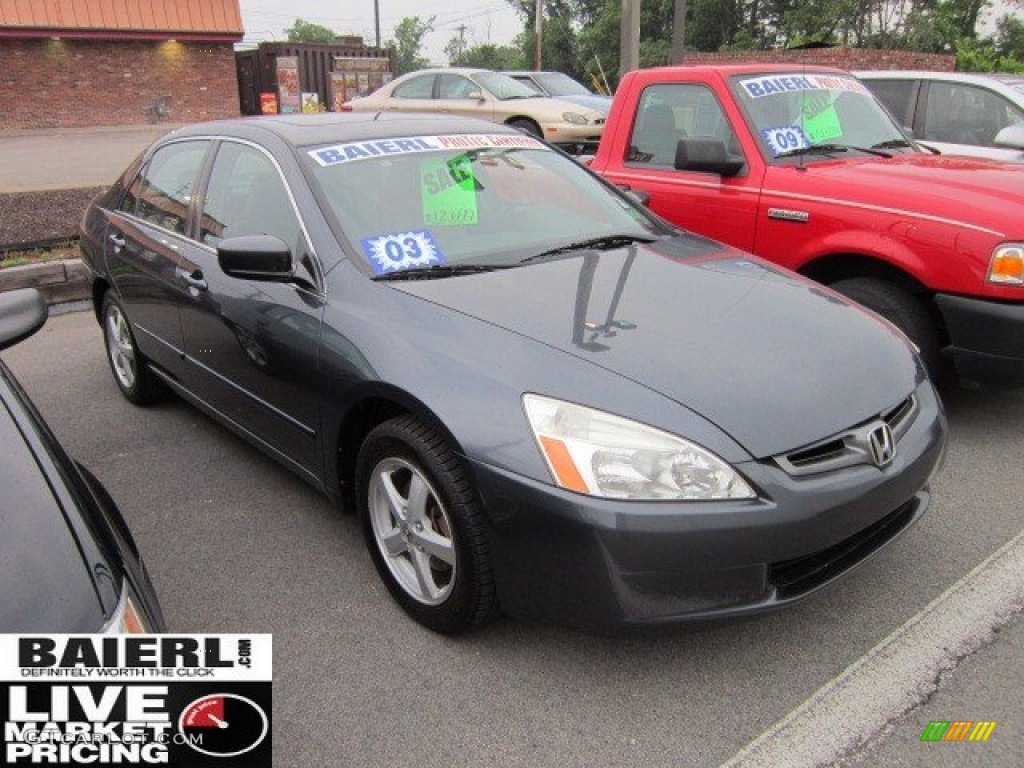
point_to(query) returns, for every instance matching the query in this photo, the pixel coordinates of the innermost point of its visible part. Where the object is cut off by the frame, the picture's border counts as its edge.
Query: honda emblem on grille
(882, 445)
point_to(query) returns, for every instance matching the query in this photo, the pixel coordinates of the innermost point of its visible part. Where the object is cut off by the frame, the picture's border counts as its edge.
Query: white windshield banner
(366, 150)
(759, 87)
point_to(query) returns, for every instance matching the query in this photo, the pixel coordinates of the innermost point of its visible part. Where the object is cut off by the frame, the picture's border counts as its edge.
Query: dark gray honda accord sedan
(536, 394)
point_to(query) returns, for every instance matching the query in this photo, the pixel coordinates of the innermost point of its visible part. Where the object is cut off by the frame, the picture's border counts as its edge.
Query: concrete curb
(60, 282)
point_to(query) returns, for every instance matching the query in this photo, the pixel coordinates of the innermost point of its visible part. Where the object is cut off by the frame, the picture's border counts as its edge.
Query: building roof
(116, 19)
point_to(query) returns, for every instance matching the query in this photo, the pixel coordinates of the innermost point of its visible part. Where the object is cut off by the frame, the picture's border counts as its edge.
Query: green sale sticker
(822, 125)
(448, 189)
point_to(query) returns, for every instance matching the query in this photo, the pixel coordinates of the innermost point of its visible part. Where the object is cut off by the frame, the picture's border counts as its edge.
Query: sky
(485, 20)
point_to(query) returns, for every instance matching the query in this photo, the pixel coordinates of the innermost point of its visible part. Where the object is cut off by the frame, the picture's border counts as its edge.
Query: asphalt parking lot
(237, 544)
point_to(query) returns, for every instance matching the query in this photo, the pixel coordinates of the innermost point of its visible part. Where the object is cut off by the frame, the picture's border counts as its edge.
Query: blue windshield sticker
(402, 250)
(785, 138)
(365, 150)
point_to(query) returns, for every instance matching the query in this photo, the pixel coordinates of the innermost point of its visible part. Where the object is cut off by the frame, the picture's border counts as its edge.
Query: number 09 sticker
(402, 250)
(785, 139)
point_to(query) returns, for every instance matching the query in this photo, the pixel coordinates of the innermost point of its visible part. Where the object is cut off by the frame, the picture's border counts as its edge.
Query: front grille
(833, 449)
(792, 578)
(851, 447)
(897, 418)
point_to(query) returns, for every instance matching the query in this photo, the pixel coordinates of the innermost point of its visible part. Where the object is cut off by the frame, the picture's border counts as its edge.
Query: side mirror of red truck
(707, 155)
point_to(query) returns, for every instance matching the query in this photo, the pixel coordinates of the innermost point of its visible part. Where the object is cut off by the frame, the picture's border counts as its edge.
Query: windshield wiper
(893, 144)
(435, 271)
(829, 149)
(604, 243)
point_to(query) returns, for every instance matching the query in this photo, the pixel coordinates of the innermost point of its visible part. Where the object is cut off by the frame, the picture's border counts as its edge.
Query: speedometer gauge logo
(223, 724)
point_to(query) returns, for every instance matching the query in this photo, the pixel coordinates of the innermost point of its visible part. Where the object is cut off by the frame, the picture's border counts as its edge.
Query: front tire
(423, 528)
(528, 127)
(131, 370)
(902, 309)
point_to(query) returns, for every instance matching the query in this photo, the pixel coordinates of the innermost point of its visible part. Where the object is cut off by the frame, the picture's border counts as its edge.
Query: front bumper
(578, 560)
(568, 133)
(987, 339)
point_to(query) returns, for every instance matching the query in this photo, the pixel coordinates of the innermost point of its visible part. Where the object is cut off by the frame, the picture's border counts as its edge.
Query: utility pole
(678, 33)
(629, 40)
(376, 20)
(461, 29)
(539, 27)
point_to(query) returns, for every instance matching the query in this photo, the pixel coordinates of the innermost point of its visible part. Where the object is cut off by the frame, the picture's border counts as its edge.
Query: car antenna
(803, 105)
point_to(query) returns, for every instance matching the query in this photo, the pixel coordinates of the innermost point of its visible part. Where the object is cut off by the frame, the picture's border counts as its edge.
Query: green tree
(307, 32)
(484, 56)
(408, 43)
(1009, 37)
(714, 25)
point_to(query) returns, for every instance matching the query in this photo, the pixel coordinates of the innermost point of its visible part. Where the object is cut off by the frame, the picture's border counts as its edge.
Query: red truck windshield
(792, 113)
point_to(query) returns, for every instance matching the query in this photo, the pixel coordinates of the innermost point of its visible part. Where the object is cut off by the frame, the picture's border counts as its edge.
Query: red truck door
(723, 208)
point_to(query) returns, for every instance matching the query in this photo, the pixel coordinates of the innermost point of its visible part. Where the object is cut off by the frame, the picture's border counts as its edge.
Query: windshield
(558, 84)
(793, 112)
(465, 200)
(503, 87)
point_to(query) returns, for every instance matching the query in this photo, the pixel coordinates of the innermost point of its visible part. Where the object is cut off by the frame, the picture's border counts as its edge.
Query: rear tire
(423, 526)
(902, 309)
(130, 368)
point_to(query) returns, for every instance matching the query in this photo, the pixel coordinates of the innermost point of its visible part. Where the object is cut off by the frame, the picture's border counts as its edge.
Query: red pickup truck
(803, 167)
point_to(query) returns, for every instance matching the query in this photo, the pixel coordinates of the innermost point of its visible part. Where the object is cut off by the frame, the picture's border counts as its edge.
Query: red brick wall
(72, 83)
(845, 58)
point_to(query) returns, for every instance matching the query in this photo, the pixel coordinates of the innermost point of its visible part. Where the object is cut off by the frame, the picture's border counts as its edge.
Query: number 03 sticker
(402, 250)
(785, 139)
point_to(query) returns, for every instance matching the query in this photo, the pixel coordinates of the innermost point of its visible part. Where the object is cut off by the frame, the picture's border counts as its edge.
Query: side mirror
(256, 257)
(22, 313)
(707, 155)
(1011, 136)
(475, 95)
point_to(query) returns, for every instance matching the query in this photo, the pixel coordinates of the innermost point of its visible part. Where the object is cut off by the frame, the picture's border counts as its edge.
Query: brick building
(838, 56)
(71, 63)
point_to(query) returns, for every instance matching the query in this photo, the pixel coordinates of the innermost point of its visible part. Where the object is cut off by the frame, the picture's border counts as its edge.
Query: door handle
(193, 279)
(117, 239)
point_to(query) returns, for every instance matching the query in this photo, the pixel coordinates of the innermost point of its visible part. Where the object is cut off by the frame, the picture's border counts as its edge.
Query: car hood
(48, 587)
(602, 104)
(775, 361)
(970, 191)
(549, 108)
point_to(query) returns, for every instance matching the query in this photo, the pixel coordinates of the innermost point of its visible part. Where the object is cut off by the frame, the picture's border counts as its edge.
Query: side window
(671, 112)
(246, 196)
(163, 191)
(960, 113)
(897, 97)
(456, 87)
(417, 88)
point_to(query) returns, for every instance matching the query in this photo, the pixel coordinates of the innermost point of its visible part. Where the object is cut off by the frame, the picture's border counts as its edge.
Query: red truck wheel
(899, 307)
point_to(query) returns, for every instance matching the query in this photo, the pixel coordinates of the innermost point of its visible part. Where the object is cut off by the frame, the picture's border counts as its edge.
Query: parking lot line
(899, 673)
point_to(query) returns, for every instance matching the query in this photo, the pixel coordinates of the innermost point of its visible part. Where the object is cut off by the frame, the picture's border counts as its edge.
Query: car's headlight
(574, 118)
(1007, 265)
(599, 454)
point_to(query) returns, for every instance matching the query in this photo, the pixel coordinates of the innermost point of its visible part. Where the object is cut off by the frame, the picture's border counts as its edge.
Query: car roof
(727, 70)
(962, 77)
(447, 71)
(306, 130)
